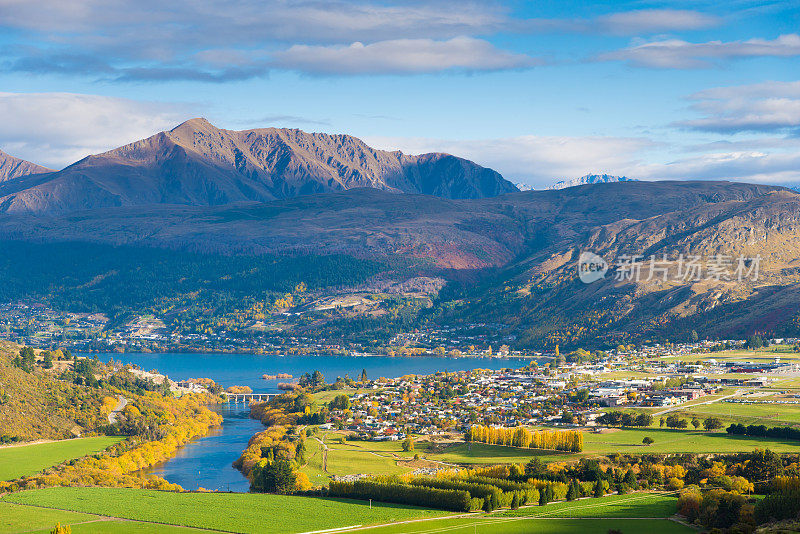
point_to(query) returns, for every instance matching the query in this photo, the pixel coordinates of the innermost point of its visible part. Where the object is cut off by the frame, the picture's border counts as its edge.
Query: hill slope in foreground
(38, 406)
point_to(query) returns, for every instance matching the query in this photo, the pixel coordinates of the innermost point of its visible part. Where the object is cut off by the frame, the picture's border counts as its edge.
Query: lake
(246, 369)
(206, 462)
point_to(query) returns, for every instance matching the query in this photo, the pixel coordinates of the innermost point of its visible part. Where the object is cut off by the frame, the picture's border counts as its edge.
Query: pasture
(23, 460)
(230, 512)
(625, 441)
(529, 525)
(130, 511)
(631, 505)
(354, 457)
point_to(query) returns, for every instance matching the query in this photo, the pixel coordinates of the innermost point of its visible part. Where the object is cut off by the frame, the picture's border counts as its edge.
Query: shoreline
(315, 354)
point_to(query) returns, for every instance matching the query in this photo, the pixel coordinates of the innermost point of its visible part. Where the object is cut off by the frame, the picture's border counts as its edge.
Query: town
(568, 395)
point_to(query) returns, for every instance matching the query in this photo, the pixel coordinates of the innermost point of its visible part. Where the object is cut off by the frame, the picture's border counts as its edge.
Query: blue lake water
(246, 369)
(206, 462)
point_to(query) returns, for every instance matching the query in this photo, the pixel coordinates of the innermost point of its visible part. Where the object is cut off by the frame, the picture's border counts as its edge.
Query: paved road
(121, 403)
(684, 406)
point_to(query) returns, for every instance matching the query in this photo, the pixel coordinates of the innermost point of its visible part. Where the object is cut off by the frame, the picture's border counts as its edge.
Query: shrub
(445, 499)
(674, 484)
(778, 506)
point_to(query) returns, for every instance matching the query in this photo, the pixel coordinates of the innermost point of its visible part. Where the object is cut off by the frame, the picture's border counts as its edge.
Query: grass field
(767, 414)
(632, 505)
(623, 441)
(22, 460)
(354, 457)
(480, 453)
(129, 511)
(18, 518)
(231, 512)
(526, 525)
(668, 440)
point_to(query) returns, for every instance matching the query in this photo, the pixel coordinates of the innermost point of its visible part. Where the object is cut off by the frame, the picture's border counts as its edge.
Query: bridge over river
(249, 397)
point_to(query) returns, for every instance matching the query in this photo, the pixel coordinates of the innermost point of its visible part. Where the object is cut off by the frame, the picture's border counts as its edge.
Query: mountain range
(511, 257)
(198, 164)
(11, 167)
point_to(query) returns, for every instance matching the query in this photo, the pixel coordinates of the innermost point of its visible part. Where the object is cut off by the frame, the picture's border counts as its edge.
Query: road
(684, 406)
(121, 403)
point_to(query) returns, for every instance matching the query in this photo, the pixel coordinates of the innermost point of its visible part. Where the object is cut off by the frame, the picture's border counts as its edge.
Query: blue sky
(540, 91)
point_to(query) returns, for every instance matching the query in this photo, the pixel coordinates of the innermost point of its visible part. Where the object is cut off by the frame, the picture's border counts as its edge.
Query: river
(206, 462)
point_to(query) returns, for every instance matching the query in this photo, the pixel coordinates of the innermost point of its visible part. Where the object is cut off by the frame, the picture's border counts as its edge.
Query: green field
(527, 525)
(669, 440)
(231, 512)
(626, 441)
(480, 453)
(22, 460)
(759, 414)
(354, 457)
(632, 505)
(130, 511)
(18, 518)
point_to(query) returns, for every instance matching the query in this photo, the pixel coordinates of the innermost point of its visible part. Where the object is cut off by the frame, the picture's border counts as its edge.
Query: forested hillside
(410, 261)
(36, 405)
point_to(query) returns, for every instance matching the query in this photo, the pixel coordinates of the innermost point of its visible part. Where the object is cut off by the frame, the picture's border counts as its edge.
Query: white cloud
(535, 160)
(678, 54)
(763, 107)
(738, 166)
(203, 23)
(656, 20)
(402, 56)
(56, 129)
(542, 160)
(223, 40)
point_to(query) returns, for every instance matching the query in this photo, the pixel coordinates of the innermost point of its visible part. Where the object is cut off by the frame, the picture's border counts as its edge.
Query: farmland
(131, 511)
(498, 525)
(21, 460)
(232, 512)
(355, 456)
(632, 505)
(626, 441)
(16, 518)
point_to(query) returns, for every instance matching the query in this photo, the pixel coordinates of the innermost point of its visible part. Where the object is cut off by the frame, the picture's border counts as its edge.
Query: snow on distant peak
(590, 179)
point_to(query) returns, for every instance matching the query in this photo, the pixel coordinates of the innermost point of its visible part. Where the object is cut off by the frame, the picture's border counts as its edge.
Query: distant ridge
(11, 167)
(590, 179)
(198, 164)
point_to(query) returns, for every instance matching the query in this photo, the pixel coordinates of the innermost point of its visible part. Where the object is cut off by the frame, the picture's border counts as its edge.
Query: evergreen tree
(572, 491)
(27, 358)
(630, 479)
(273, 477)
(317, 379)
(363, 375)
(598, 489)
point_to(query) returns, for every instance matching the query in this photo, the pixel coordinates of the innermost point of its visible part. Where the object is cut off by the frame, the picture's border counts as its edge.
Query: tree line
(780, 432)
(560, 440)
(400, 493)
